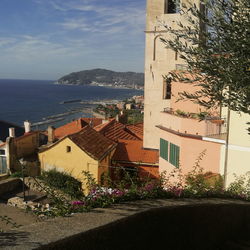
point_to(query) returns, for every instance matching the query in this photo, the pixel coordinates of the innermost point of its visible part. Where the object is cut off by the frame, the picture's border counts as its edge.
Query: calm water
(34, 100)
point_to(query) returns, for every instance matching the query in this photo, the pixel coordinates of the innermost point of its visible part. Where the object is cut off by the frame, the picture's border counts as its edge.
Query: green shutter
(174, 155)
(164, 149)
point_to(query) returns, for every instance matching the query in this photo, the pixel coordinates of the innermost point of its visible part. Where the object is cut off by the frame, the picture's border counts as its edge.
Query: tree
(216, 47)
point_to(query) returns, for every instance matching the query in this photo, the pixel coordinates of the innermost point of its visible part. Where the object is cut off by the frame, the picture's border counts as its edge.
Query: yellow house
(86, 150)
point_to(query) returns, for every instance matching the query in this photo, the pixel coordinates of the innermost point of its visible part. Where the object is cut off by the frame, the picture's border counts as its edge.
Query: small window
(2, 152)
(172, 6)
(167, 89)
(68, 149)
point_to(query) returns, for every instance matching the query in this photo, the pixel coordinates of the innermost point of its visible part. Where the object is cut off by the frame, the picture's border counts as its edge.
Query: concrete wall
(9, 185)
(178, 227)
(239, 146)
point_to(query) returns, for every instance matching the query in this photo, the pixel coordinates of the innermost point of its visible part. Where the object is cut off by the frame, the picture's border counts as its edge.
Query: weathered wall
(26, 145)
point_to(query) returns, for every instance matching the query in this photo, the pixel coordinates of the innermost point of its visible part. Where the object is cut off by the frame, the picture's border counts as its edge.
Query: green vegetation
(110, 110)
(129, 186)
(216, 47)
(64, 182)
(134, 116)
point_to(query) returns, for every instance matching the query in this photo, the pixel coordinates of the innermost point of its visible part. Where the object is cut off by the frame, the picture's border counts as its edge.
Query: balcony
(201, 124)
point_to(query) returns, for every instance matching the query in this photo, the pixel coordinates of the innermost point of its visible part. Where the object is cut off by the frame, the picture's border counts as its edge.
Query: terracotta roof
(92, 142)
(93, 122)
(4, 130)
(115, 130)
(136, 129)
(70, 128)
(133, 151)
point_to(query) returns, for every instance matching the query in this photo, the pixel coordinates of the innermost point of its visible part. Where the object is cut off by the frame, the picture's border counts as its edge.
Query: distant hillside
(104, 77)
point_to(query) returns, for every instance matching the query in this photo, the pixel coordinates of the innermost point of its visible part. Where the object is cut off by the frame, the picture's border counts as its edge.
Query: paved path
(17, 215)
(31, 236)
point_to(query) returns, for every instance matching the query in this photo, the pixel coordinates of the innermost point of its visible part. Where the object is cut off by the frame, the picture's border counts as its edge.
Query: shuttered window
(3, 165)
(164, 149)
(174, 155)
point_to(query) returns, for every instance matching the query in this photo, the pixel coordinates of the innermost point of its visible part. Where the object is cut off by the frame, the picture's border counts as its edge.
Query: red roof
(136, 129)
(70, 128)
(92, 142)
(76, 126)
(115, 130)
(133, 151)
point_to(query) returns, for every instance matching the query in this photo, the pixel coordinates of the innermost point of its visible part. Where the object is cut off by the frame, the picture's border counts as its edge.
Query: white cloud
(5, 41)
(100, 18)
(29, 48)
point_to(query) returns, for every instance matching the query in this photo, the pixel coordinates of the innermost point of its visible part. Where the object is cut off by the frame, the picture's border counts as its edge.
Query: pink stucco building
(185, 129)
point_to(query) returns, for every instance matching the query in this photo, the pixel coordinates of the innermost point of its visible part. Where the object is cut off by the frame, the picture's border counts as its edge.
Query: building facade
(159, 61)
(183, 130)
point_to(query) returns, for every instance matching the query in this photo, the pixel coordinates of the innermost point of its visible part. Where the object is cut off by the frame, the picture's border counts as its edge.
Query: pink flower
(78, 203)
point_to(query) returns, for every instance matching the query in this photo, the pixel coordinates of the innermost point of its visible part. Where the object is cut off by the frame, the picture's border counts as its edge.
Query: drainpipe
(226, 148)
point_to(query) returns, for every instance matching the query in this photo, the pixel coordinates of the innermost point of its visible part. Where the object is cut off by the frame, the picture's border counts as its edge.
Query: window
(172, 6)
(174, 155)
(3, 165)
(167, 89)
(2, 152)
(68, 149)
(164, 149)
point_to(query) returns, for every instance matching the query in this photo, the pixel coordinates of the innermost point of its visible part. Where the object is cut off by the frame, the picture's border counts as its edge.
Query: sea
(40, 101)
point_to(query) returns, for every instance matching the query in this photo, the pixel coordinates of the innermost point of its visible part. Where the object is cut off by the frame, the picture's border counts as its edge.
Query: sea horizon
(35, 100)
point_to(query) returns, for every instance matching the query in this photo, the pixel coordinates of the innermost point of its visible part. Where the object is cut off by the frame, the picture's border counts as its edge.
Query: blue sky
(46, 39)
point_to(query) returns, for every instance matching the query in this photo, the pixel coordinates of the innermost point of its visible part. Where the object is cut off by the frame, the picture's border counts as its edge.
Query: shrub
(18, 174)
(64, 182)
(240, 188)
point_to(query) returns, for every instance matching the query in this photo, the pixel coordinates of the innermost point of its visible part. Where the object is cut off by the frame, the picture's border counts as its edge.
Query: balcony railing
(192, 123)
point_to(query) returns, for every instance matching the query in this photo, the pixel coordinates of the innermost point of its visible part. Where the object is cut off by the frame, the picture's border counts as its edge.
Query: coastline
(99, 85)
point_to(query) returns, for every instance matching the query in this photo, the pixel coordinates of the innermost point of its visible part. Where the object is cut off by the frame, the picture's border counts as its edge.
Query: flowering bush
(195, 184)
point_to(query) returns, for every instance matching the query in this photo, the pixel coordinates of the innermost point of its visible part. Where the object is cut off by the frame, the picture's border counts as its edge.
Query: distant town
(104, 78)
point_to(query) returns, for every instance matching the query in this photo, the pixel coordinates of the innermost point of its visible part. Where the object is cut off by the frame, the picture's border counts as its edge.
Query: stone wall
(9, 185)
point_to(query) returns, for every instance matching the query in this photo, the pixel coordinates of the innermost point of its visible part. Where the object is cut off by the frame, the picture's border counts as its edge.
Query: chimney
(121, 112)
(117, 118)
(91, 123)
(51, 134)
(12, 132)
(27, 126)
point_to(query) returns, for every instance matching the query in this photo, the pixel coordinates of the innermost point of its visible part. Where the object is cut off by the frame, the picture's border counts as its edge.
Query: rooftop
(115, 131)
(136, 129)
(133, 151)
(92, 142)
(76, 126)
(70, 128)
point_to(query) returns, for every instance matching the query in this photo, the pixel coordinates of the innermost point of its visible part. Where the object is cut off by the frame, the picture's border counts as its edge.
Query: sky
(46, 39)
